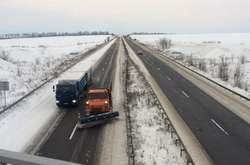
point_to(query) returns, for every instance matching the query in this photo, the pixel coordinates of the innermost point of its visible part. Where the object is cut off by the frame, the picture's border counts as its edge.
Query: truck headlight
(57, 101)
(73, 101)
(106, 102)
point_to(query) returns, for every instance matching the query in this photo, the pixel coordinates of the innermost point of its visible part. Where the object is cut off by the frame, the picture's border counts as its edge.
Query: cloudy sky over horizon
(125, 16)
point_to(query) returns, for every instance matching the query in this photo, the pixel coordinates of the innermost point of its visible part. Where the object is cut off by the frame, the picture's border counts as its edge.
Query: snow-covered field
(28, 62)
(152, 141)
(22, 126)
(224, 58)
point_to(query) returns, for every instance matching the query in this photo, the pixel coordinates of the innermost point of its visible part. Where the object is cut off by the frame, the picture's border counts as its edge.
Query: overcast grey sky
(124, 16)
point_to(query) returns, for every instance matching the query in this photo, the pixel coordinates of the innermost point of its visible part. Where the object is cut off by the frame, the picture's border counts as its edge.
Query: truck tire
(59, 105)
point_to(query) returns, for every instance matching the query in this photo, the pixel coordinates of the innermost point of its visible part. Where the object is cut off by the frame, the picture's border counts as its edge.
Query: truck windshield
(65, 88)
(97, 95)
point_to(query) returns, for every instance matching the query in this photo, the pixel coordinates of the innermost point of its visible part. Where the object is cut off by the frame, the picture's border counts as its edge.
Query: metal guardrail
(171, 128)
(130, 144)
(16, 158)
(41, 85)
(201, 75)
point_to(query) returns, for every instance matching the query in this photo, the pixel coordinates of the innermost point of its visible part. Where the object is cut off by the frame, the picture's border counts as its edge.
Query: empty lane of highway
(224, 135)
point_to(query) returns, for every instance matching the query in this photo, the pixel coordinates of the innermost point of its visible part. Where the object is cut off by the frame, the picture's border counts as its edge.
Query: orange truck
(98, 108)
(98, 101)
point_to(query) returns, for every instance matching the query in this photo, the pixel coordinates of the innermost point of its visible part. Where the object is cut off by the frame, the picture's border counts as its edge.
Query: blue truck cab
(70, 88)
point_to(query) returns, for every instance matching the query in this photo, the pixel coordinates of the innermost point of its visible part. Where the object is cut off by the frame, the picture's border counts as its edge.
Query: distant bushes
(224, 68)
(4, 55)
(164, 43)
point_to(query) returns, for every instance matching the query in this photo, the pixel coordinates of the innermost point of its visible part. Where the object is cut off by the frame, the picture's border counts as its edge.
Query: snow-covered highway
(81, 145)
(22, 126)
(172, 112)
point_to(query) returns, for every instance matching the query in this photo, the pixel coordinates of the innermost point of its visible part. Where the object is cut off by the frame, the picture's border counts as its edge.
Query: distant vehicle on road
(98, 108)
(139, 52)
(69, 89)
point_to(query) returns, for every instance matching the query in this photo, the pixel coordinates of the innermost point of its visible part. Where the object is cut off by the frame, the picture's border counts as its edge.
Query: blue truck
(70, 88)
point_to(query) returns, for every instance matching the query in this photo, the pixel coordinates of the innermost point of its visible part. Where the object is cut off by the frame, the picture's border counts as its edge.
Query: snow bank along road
(23, 123)
(224, 135)
(153, 142)
(80, 145)
(113, 150)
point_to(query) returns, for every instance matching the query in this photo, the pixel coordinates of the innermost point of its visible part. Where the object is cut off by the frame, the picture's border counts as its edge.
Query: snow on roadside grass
(26, 63)
(205, 52)
(22, 126)
(152, 142)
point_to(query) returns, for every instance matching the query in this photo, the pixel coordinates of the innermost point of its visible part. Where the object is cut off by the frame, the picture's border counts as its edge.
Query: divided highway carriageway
(224, 135)
(80, 145)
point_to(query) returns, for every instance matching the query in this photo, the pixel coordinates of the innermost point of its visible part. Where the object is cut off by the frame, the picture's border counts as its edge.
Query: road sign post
(4, 86)
(5, 99)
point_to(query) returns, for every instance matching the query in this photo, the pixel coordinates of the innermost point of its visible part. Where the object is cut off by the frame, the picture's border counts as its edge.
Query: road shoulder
(113, 150)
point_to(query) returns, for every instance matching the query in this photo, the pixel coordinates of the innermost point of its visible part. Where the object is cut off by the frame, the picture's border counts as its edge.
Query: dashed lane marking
(220, 127)
(185, 94)
(73, 132)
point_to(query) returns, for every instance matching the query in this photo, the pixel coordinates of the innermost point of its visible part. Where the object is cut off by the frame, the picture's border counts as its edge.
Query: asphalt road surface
(75, 145)
(224, 136)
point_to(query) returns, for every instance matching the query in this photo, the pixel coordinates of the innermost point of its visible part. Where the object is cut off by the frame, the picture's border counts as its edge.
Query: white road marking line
(73, 132)
(169, 78)
(222, 129)
(185, 94)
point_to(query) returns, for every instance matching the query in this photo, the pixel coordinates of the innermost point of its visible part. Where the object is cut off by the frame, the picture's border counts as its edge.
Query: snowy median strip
(29, 120)
(152, 140)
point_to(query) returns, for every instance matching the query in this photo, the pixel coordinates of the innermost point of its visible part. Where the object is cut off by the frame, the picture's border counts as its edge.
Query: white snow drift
(207, 52)
(28, 62)
(29, 119)
(152, 142)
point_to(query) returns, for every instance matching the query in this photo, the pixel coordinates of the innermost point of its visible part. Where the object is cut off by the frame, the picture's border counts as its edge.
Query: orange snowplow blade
(93, 120)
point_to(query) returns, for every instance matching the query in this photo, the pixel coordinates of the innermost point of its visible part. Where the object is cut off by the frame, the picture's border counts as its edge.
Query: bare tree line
(51, 34)
(223, 70)
(164, 43)
(220, 68)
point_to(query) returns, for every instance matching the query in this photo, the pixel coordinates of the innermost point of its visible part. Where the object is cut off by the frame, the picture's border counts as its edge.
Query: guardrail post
(189, 162)
(169, 126)
(166, 121)
(172, 132)
(182, 150)
(177, 142)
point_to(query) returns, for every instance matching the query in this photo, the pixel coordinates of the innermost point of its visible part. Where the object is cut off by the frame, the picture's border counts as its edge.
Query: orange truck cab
(98, 101)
